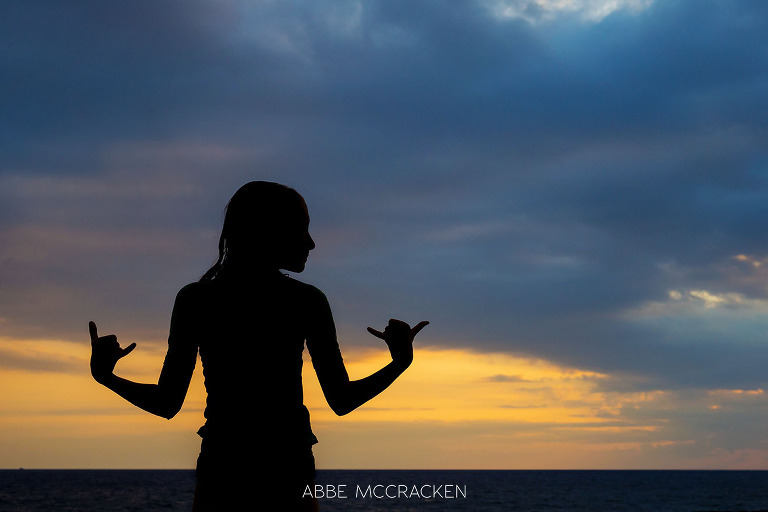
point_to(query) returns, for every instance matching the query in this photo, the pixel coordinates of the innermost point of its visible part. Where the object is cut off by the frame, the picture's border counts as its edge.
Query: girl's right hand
(105, 353)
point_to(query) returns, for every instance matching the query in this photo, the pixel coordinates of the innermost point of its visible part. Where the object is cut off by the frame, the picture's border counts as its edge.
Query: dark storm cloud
(527, 187)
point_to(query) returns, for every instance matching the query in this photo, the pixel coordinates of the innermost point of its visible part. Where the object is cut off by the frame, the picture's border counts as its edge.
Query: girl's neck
(249, 269)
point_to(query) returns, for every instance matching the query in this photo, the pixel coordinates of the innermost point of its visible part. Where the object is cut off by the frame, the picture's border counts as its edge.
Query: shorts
(238, 474)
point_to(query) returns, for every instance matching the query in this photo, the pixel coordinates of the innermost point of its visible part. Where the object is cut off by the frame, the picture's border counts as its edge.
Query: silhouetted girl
(250, 323)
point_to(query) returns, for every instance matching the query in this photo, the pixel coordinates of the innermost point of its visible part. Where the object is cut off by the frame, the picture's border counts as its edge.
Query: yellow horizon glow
(453, 409)
(454, 385)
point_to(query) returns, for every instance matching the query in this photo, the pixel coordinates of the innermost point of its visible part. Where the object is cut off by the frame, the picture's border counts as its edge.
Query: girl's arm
(162, 399)
(342, 394)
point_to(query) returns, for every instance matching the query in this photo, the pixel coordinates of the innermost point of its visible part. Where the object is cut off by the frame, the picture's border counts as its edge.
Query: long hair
(253, 218)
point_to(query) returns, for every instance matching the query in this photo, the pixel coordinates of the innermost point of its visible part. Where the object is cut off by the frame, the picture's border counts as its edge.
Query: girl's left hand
(398, 336)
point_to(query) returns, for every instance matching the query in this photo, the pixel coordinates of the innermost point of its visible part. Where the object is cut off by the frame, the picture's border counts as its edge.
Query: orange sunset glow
(571, 192)
(453, 408)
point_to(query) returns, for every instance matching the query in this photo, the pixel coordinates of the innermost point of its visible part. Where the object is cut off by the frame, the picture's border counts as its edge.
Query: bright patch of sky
(547, 10)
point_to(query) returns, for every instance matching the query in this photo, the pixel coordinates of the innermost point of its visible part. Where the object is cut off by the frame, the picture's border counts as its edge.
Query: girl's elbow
(337, 397)
(169, 411)
(169, 400)
(170, 414)
(170, 407)
(341, 411)
(340, 407)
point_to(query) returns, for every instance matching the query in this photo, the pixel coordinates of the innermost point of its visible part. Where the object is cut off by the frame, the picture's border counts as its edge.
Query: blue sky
(582, 182)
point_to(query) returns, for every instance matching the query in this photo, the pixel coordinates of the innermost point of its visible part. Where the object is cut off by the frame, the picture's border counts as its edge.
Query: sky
(573, 193)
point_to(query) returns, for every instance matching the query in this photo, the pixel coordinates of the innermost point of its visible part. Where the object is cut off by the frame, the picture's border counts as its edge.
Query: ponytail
(212, 272)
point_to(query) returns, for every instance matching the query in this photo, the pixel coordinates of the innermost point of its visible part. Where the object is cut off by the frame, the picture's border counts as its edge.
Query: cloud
(26, 357)
(547, 10)
(530, 188)
(507, 378)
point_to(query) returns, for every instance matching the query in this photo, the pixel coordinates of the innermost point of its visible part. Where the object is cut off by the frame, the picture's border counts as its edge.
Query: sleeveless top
(251, 334)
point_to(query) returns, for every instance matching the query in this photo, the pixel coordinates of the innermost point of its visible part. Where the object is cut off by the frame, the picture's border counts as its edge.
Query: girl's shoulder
(195, 289)
(193, 295)
(302, 289)
(209, 295)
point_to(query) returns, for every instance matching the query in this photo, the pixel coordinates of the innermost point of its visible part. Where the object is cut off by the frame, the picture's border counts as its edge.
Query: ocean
(405, 491)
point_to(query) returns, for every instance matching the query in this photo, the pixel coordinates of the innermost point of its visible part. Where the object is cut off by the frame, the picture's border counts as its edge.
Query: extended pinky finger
(127, 350)
(419, 326)
(376, 333)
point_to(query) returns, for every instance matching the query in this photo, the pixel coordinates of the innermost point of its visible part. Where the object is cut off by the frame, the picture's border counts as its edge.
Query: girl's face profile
(266, 227)
(292, 249)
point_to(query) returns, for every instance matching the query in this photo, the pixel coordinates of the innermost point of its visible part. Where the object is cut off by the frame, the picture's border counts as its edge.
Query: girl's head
(266, 227)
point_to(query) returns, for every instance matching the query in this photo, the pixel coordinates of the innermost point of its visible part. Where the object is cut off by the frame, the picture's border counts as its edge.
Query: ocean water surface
(406, 491)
